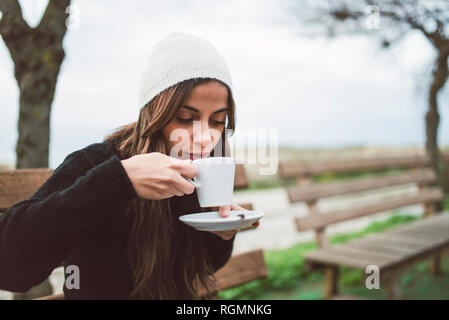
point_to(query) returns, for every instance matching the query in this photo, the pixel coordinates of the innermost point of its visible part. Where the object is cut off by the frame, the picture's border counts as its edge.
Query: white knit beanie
(180, 56)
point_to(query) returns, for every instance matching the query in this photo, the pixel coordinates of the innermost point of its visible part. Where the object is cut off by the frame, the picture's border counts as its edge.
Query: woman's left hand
(225, 211)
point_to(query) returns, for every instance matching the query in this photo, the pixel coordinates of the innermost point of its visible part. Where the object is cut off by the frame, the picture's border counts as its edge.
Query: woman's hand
(225, 211)
(157, 176)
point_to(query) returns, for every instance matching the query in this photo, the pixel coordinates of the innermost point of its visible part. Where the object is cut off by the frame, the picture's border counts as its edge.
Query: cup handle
(194, 181)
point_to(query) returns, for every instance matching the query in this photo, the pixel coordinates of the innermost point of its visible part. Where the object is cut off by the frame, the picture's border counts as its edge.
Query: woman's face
(197, 127)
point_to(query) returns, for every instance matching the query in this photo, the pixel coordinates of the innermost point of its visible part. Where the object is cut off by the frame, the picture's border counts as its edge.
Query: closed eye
(184, 120)
(217, 123)
(189, 120)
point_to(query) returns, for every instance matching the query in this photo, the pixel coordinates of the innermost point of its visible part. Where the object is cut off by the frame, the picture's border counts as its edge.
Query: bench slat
(428, 232)
(405, 239)
(440, 220)
(316, 191)
(385, 249)
(416, 234)
(389, 247)
(434, 245)
(19, 185)
(322, 219)
(240, 177)
(390, 242)
(240, 269)
(375, 247)
(343, 250)
(335, 258)
(296, 169)
(434, 227)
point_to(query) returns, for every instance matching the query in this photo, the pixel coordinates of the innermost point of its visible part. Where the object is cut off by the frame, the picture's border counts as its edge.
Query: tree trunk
(440, 75)
(37, 54)
(32, 146)
(36, 96)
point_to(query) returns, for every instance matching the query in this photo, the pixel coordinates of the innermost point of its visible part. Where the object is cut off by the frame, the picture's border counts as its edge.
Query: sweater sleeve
(37, 234)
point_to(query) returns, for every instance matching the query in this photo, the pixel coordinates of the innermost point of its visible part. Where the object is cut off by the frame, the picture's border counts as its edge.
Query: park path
(277, 229)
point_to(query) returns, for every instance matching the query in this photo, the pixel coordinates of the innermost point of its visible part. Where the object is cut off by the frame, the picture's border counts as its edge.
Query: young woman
(111, 209)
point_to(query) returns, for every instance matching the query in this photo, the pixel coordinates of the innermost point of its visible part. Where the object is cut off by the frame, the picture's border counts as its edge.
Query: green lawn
(416, 283)
(288, 279)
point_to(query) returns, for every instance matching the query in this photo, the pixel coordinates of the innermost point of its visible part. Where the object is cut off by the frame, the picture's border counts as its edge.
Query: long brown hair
(159, 245)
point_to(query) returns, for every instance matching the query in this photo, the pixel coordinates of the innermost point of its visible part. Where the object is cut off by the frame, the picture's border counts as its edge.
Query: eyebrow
(196, 110)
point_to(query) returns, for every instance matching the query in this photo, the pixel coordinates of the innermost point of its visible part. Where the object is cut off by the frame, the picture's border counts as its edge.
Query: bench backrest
(20, 184)
(241, 182)
(240, 269)
(304, 169)
(411, 170)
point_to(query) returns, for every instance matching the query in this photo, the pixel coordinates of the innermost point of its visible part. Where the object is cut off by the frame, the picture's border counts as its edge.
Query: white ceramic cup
(215, 180)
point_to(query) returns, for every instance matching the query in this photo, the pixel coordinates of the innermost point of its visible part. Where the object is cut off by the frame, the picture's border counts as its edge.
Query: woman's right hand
(157, 176)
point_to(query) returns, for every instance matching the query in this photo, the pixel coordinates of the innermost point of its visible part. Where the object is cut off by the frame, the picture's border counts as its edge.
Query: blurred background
(323, 92)
(338, 79)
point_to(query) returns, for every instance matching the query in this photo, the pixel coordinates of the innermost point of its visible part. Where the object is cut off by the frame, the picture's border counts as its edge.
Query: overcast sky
(318, 92)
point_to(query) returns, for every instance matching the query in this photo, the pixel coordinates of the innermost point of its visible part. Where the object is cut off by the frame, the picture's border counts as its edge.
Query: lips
(194, 156)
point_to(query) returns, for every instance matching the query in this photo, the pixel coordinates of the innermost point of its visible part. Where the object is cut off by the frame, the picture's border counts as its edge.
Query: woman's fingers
(156, 176)
(178, 192)
(228, 234)
(224, 211)
(183, 185)
(236, 207)
(254, 225)
(186, 168)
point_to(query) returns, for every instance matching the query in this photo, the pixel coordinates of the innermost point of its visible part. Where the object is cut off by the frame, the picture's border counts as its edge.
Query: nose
(202, 135)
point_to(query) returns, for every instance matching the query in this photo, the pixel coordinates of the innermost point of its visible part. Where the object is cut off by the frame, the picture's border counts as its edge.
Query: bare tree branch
(399, 17)
(12, 24)
(54, 18)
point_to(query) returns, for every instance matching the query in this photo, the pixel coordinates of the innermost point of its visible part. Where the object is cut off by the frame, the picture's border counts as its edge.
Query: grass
(288, 278)
(417, 283)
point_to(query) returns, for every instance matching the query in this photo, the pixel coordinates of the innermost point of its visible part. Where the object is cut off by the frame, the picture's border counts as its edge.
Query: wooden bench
(393, 250)
(18, 185)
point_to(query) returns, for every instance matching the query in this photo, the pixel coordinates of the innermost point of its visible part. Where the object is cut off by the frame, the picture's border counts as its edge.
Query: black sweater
(77, 217)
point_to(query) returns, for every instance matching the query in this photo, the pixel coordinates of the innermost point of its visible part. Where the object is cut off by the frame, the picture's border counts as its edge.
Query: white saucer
(212, 221)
